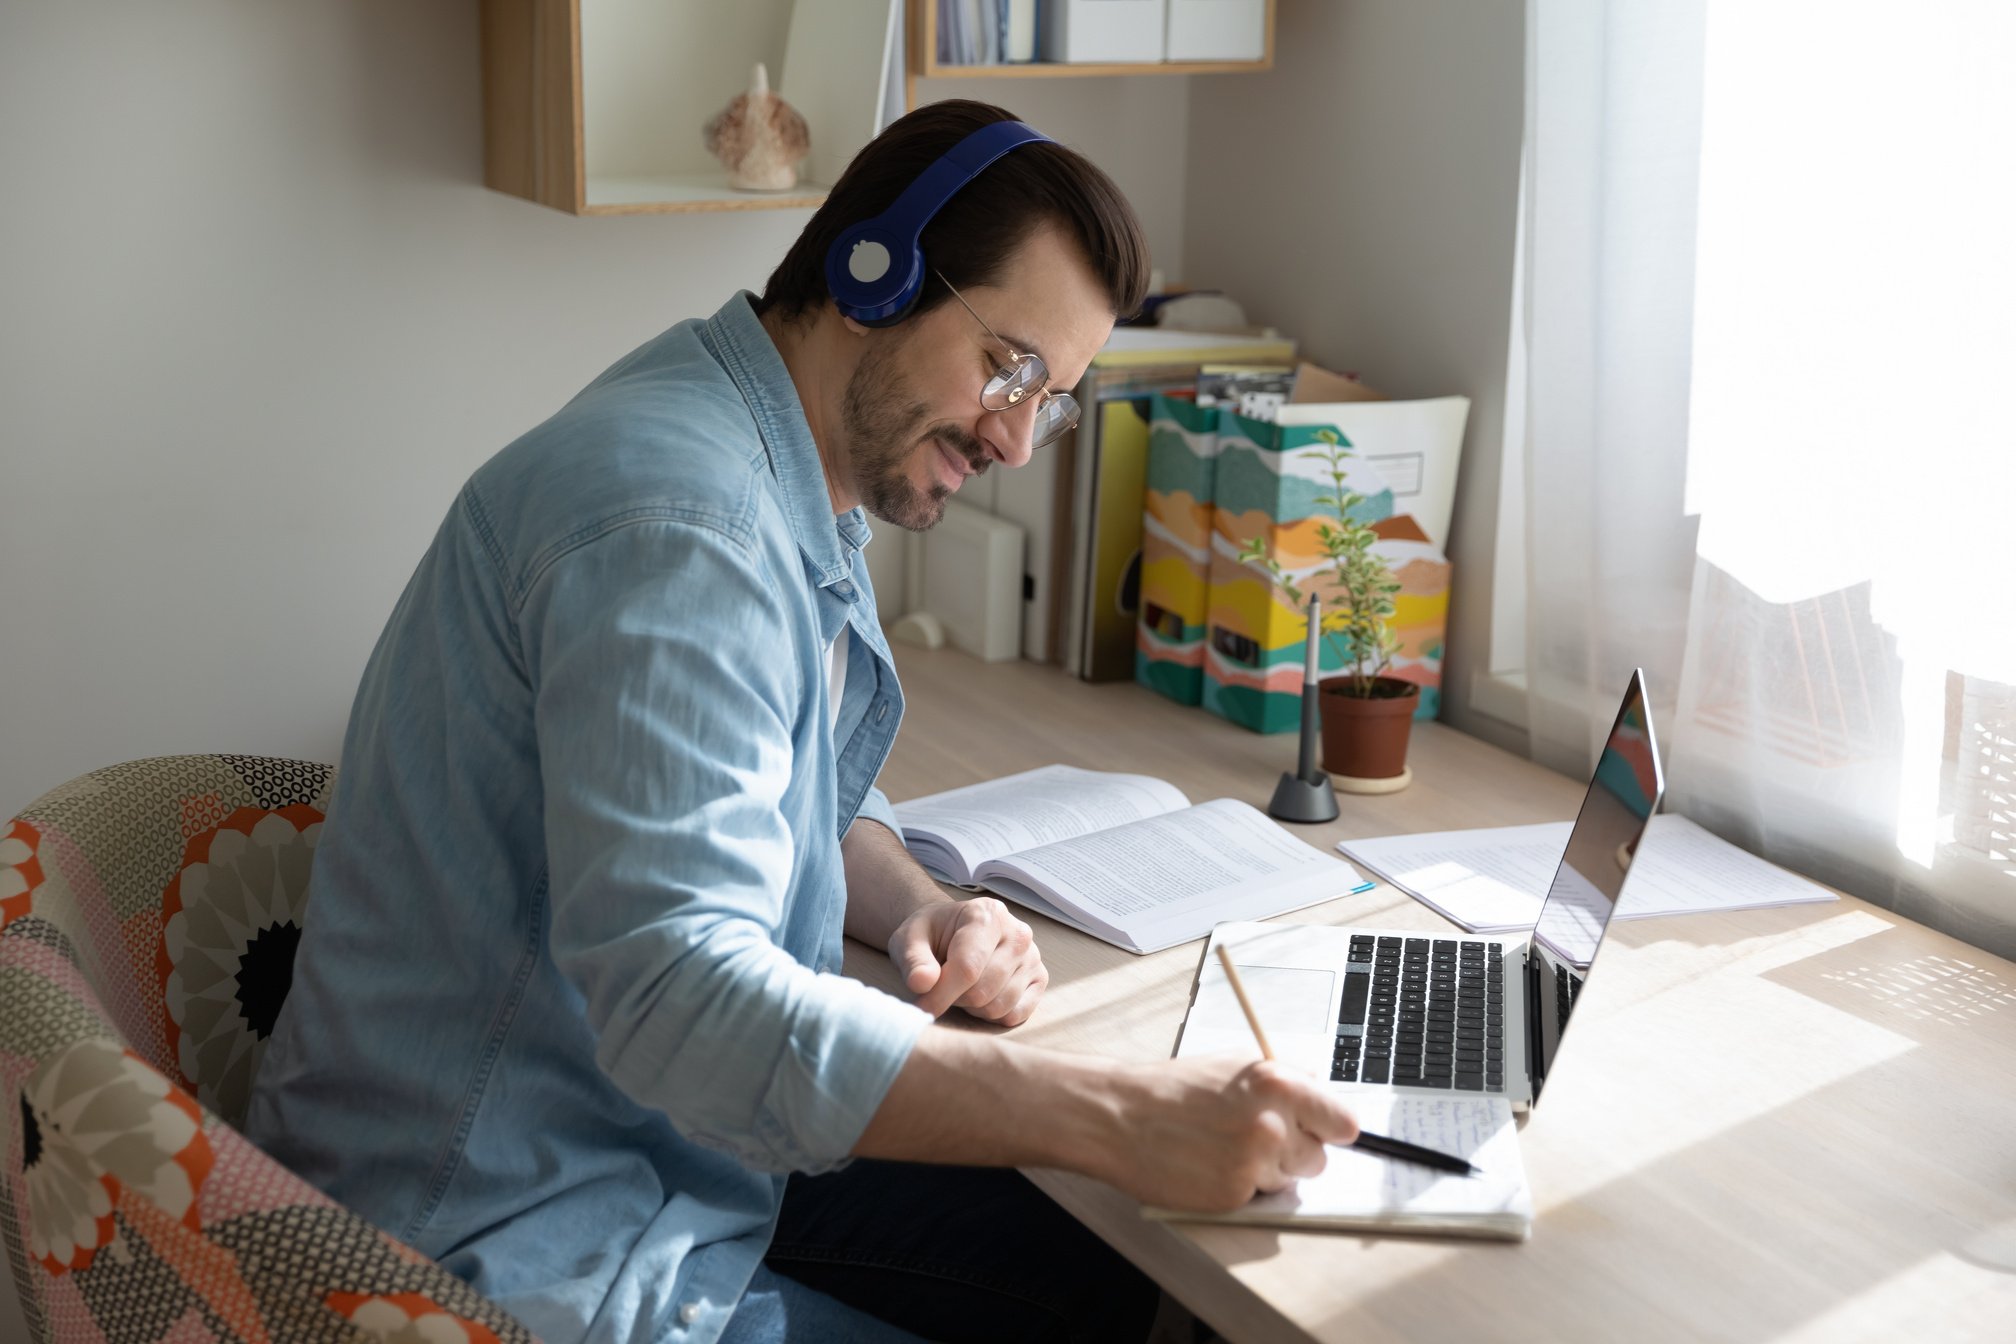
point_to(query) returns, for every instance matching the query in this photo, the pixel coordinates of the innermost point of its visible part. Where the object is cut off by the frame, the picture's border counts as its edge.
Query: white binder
(1095, 31)
(1217, 30)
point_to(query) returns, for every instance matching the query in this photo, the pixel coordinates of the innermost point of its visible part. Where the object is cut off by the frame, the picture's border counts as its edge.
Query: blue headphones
(875, 269)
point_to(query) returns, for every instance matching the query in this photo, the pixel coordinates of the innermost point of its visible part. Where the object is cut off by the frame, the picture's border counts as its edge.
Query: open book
(1360, 1190)
(1121, 857)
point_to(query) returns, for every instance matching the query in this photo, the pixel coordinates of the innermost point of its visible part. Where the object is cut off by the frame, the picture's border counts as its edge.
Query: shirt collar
(751, 359)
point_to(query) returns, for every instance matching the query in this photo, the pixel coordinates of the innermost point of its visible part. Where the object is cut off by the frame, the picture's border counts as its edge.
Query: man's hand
(973, 955)
(1203, 1135)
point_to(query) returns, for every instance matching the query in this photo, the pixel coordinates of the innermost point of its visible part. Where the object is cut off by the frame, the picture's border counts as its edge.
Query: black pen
(1399, 1149)
(1403, 1151)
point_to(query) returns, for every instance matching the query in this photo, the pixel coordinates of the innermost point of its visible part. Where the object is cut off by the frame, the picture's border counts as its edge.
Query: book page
(981, 821)
(1167, 879)
(1358, 1188)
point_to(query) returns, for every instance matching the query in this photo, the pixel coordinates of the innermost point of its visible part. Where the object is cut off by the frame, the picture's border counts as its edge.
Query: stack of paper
(1493, 880)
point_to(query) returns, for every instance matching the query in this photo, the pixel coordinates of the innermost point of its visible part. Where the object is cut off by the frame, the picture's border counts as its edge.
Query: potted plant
(1365, 713)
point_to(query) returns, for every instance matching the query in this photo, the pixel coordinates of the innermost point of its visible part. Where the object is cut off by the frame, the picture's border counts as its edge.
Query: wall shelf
(545, 90)
(1063, 69)
(678, 192)
(923, 63)
(580, 114)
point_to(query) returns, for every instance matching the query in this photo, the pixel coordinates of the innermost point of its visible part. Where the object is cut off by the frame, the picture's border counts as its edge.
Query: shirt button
(689, 1313)
(845, 590)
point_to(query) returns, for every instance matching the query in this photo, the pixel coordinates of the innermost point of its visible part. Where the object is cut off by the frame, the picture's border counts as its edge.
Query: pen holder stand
(1305, 800)
(1304, 793)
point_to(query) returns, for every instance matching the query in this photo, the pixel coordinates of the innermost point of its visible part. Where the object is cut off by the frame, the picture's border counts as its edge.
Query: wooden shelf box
(596, 107)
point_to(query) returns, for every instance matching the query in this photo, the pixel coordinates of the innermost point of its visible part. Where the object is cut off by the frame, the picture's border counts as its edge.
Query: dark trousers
(894, 1251)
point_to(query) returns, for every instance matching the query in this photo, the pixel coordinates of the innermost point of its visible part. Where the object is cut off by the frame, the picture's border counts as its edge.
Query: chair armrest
(130, 1210)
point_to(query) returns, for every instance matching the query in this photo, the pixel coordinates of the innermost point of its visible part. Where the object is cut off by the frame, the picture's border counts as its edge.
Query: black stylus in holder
(1306, 795)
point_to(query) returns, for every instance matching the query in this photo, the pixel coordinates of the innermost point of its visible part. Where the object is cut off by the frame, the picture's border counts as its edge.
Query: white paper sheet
(1493, 880)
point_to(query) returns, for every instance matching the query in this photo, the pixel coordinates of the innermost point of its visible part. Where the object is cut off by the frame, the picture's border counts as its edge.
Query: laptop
(1448, 1014)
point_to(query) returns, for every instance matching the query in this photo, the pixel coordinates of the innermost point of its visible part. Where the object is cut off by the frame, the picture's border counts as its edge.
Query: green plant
(1359, 629)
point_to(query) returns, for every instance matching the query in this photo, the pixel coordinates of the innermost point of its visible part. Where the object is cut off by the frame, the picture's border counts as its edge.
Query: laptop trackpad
(1292, 1003)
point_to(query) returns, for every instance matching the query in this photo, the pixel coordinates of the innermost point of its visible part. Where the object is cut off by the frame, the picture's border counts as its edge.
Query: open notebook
(1359, 1190)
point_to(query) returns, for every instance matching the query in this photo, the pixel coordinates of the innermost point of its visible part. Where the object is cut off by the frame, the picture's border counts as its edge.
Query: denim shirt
(567, 1001)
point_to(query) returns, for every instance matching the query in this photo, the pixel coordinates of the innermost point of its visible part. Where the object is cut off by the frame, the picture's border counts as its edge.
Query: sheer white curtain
(1818, 374)
(1848, 704)
(1613, 124)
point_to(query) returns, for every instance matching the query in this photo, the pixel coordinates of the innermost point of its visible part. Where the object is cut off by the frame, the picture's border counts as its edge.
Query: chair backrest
(181, 882)
(148, 918)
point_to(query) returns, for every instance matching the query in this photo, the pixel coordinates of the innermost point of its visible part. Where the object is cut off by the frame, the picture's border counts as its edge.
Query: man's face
(911, 412)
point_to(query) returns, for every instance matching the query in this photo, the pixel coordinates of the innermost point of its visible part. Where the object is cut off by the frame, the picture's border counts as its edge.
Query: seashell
(760, 137)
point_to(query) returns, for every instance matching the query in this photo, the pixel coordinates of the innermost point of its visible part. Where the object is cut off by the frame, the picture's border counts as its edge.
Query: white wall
(258, 321)
(262, 319)
(1361, 196)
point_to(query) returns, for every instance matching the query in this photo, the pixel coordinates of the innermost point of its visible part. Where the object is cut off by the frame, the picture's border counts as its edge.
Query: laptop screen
(1623, 794)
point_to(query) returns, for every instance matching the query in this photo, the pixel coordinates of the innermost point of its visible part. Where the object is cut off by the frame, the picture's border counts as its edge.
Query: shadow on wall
(406, 64)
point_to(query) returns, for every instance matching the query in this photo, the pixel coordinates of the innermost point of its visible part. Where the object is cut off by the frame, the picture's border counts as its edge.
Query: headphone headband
(875, 269)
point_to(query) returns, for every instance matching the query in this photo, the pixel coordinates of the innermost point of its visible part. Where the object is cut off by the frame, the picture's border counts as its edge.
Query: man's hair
(972, 238)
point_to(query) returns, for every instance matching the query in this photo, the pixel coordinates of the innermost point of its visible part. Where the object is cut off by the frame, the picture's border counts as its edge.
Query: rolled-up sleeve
(667, 692)
(875, 806)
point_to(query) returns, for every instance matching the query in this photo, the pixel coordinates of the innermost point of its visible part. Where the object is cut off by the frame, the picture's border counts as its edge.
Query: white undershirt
(836, 679)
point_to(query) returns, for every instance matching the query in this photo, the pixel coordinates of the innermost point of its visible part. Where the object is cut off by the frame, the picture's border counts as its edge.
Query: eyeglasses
(1022, 376)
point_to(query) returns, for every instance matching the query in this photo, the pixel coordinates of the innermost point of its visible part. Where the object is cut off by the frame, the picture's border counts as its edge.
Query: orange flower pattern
(20, 870)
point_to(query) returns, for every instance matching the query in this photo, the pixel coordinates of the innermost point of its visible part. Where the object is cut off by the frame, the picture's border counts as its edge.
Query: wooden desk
(1792, 1124)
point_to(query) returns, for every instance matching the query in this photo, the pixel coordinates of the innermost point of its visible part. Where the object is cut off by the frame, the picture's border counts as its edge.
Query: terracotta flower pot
(1365, 737)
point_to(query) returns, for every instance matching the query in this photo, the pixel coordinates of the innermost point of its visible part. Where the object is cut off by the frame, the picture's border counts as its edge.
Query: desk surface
(1849, 1173)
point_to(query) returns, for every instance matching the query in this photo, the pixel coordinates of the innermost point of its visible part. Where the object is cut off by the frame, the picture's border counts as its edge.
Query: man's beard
(884, 422)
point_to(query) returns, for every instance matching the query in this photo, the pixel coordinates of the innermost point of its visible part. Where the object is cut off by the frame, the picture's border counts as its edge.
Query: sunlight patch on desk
(1769, 952)
(1775, 1046)
(1894, 1307)
(1663, 960)
(1931, 988)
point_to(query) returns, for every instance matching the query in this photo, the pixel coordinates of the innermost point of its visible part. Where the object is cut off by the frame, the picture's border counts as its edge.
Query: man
(567, 1005)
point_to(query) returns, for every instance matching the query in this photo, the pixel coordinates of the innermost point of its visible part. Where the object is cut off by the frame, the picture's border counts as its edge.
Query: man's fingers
(976, 955)
(1009, 961)
(966, 958)
(1017, 996)
(1025, 1007)
(1300, 1119)
(1304, 1155)
(915, 961)
(998, 977)
(1325, 1118)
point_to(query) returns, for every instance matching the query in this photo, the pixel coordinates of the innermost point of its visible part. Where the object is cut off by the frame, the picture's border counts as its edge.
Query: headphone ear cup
(891, 320)
(873, 275)
(875, 269)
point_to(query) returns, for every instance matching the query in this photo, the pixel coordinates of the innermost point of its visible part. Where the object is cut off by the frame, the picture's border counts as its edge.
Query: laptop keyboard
(1426, 1012)
(1566, 987)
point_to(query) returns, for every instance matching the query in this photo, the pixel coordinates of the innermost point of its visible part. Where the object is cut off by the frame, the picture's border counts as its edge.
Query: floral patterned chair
(148, 918)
